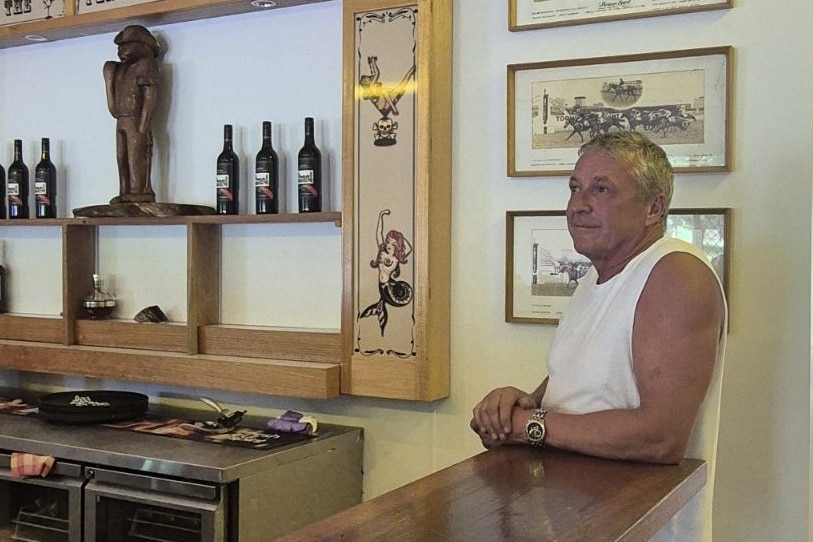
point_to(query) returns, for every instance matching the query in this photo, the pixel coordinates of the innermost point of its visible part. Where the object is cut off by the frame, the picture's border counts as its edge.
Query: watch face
(535, 431)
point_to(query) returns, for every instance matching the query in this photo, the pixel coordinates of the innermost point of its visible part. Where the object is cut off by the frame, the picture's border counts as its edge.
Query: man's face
(606, 215)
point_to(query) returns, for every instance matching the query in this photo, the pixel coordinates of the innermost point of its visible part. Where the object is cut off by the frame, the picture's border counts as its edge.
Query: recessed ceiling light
(263, 3)
(35, 37)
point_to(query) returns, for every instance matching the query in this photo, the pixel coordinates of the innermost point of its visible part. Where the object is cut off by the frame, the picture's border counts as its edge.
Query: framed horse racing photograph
(542, 268)
(535, 14)
(679, 99)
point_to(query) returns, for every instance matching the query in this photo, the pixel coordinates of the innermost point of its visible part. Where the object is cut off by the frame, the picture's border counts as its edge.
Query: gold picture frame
(680, 99)
(536, 14)
(542, 269)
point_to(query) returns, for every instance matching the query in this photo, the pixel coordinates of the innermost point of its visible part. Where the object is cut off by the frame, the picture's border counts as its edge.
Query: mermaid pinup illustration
(393, 250)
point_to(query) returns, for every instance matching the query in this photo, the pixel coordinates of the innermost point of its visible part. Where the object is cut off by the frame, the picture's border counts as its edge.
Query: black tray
(92, 406)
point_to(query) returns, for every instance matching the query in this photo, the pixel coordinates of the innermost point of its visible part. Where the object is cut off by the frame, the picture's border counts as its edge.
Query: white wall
(285, 65)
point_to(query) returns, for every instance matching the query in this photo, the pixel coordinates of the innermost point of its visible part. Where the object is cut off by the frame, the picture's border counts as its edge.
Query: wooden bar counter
(521, 493)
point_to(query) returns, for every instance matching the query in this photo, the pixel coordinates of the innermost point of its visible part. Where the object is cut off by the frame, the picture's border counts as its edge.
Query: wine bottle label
(305, 176)
(13, 189)
(222, 180)
(262, 179)
(40, 187)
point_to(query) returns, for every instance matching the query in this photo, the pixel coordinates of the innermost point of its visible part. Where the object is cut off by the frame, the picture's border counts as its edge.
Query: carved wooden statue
(132, 95)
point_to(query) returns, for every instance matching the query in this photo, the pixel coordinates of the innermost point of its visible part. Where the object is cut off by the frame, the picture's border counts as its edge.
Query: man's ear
(656, 210)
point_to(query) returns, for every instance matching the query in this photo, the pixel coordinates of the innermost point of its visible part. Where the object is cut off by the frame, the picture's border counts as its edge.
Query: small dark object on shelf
(152, 313)
(99, 304)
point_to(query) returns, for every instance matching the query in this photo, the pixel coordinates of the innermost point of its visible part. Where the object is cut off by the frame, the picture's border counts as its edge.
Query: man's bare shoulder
(682, 289)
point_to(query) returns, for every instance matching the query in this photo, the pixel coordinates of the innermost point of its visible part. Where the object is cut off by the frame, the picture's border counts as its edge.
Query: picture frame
(539, 263)
(536, 14)
(710, 230)
(542, 269)
(679, 99)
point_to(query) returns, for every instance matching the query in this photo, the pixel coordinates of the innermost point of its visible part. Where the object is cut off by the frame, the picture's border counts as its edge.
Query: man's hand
(491, 417)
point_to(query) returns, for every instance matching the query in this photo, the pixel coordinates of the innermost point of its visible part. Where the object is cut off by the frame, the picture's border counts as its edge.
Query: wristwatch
(535, 428)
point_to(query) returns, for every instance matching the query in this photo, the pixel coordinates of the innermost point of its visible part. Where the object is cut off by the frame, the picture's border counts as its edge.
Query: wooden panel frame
(166, 337)
(32, 328)
(258, 342)
(423, 373)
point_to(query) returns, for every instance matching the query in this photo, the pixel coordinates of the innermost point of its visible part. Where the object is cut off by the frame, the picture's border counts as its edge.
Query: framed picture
(679, 99)
(533, 14)
(710, 231)
(542, 269)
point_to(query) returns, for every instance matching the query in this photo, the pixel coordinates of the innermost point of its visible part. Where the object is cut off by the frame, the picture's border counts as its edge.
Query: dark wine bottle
(266, 176)
(3, 290)
(228, 176)
(17, 184)
(45, 184)
(309, 178)
(2, 192)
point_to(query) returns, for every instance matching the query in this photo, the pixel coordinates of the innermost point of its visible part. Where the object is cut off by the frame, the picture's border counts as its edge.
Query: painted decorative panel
(397, 185)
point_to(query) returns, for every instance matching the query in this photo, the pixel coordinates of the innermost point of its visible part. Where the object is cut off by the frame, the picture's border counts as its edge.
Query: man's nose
(578, 203)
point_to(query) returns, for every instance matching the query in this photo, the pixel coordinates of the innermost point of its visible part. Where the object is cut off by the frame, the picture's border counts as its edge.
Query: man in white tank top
(634, 368)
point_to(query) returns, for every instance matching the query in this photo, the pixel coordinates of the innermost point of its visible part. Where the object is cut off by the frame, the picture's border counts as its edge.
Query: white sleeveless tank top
(590, 368)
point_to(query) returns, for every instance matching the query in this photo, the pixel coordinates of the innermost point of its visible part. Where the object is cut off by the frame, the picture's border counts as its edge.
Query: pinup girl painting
(393, 250)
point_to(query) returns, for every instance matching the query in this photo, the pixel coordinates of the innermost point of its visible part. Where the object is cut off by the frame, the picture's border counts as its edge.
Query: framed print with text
(534, 14)
(679, 99)
(542, 269)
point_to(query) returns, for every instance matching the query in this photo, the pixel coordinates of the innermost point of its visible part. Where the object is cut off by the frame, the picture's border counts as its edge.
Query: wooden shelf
(155, 13)
(266, 376)
(31, 328)
(167, 337)
(200, 352)
(284, 218)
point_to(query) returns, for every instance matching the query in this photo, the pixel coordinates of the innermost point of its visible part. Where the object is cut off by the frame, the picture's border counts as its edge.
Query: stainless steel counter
(116, 448)
(108, 481)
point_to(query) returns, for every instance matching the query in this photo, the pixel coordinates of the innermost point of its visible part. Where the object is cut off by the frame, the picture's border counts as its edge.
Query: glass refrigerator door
(37, 510)
(116, 514)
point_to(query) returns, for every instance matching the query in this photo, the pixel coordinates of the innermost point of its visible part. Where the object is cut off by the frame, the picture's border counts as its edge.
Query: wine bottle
(3, 289)
(266, 176)
(310, 173)
(228, 176)
(17, 184)
(45, 184)
(2, 191)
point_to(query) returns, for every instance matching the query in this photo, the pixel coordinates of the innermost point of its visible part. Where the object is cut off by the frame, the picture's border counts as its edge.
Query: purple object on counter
(288, 423)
